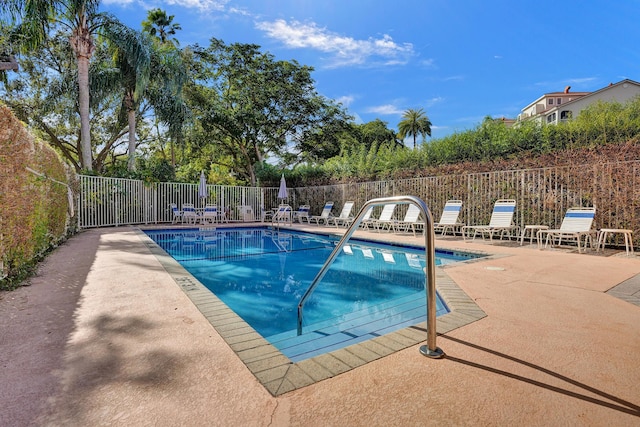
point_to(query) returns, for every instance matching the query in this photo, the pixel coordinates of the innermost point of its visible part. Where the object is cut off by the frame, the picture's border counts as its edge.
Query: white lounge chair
(189, 213)
(501, 221)
(366, 219)
(177, 213)
(324, 216)
(410, 220)
(210, 213)
(449, 217)
(283, 214)
(385, 218)
(246, 213)
(576, 224)
(302, 214)
(345, 218)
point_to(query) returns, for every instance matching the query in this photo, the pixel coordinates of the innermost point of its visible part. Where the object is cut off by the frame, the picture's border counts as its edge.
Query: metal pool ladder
(429, 350)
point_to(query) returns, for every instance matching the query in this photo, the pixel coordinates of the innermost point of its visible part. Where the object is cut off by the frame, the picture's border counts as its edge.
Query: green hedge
(34, 207)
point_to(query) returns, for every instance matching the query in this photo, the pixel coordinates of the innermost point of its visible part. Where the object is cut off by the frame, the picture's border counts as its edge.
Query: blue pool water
(261, 274)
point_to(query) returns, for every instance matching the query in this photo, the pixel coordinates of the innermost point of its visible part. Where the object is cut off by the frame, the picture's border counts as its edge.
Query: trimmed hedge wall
(34, 208)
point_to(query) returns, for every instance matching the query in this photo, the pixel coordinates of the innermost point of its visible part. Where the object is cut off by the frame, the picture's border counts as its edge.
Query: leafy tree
(44, 95)
(414, 123)
(377, 132)
(170, 73)
(159, 25)
(81, 21)
(253, 106)
(131, 77)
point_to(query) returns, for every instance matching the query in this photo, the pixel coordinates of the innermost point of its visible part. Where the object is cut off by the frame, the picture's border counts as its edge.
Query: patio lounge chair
(501, 221)
(410, 220)
(266, 214)
(449, 217)
(246, 213)
(366, 219)
(345, 218)
(385, 217)
(210, 213)
(283, 214)
(575, 225)
(324, 216)
(189, 213)
(177, 213)
(302, 214)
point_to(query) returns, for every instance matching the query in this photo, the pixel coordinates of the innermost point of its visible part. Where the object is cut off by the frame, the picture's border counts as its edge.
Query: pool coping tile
(275, 371)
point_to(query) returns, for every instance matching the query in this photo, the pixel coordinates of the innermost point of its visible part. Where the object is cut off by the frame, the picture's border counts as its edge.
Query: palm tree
(133, 73)
(169, 75)
(82, 22)
(159, 25)
(414, 123)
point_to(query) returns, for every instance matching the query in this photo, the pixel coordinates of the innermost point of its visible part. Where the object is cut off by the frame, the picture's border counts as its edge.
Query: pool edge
(276, 372)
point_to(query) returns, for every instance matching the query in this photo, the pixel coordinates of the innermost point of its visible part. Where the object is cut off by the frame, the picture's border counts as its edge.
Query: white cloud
(387, 109)
(203, 5)
(428, 63)
(199, 4)
(450, 78)
(433, 101)
(121, 2)
(345, 100)
(344, 50)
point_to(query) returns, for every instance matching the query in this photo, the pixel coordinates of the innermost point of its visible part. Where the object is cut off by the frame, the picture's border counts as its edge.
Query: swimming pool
(261, 274)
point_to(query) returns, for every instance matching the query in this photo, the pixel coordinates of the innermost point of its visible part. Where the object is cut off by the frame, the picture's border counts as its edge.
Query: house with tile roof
(556, 107)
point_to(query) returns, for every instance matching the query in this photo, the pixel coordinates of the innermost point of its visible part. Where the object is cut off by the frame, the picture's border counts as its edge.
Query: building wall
(619, 93)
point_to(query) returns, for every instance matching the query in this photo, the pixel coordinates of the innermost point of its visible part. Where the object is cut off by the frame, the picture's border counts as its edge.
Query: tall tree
(159, 25)
(45, 96)
(253, 106)
(414, 123)
(169, 74)
(133, 73)
(82, 22)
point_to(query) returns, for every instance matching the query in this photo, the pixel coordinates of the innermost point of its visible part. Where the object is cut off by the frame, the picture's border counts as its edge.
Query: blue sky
(458, 60)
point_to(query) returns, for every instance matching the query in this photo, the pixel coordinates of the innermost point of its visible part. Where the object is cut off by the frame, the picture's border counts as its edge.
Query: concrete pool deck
(105, 336)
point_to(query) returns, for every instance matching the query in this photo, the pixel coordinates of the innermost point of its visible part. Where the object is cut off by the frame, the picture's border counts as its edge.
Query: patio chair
(345, 218)
(265, 214)
(449, 217)
(302, 214)
(246, 213)
(177, 213)
(501, 221)
(410, 220)
(210, 213)
(576, 224)
(283, 214)
(385, 218)
(366, 219)
(189, 213)
(324, 216)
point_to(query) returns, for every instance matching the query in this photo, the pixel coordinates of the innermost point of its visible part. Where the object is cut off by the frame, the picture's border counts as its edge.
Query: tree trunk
(83, 105)
(131, 116)
(83, 47)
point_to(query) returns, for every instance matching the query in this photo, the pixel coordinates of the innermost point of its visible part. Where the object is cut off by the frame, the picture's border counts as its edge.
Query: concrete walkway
(105, 336)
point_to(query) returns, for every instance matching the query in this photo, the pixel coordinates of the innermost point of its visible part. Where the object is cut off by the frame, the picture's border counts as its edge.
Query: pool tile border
(273, 369)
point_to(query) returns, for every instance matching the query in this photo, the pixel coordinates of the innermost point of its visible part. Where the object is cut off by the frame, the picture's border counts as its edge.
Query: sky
(458, 60)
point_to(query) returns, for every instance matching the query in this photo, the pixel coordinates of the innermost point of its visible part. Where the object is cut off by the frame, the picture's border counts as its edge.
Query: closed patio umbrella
(283, 193)
(202, 188)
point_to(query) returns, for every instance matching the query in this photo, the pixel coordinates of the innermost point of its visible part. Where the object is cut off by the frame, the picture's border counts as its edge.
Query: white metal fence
(116, 201)
(542, 195)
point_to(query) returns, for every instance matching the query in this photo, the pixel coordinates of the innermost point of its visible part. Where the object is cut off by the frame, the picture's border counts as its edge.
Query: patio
(105, 336)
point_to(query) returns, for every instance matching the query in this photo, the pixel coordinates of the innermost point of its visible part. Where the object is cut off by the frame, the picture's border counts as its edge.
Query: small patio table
(603, 233)
(533, 229)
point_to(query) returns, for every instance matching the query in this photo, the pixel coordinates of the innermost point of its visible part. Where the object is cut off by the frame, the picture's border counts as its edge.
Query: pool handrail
(430, 350)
